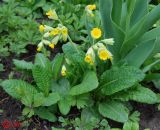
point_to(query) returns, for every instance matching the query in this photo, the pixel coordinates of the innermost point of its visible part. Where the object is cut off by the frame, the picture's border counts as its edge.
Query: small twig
(4, 100)
(46, 127)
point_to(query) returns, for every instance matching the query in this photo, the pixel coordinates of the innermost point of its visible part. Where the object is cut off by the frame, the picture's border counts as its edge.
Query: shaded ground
(150, 117)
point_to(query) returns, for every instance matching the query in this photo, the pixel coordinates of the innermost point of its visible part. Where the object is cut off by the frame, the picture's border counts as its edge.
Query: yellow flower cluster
(102, 51)
(60, 32)
(89, 9)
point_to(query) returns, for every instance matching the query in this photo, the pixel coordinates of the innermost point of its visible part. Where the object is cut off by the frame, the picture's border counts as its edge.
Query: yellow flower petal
(54, 32)
(63, 71)
(64, 32)
(96, 33)
(52, 14)
(41, 28)
(51, 45)
(104, 54)
(89, 59)
(39, 49)
(91, 7)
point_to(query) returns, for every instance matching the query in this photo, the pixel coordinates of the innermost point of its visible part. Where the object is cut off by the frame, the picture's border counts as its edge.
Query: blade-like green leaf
(111, 29)
(114, 110)
(140, 10)
(116, 11)
(148, 67)
(139, 29)
(150, 35)
(138, 55)
(89, 83)
(106, 10)
(117, 79)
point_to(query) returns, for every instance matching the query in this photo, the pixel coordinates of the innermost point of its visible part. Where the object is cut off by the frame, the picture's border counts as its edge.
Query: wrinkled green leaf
(21, 64)
(42, 78)
(114, 110)
(118, 79)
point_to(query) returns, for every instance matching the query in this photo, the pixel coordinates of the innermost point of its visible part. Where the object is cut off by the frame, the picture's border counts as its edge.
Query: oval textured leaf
(89, 83)
(114, 110)
(117, 79)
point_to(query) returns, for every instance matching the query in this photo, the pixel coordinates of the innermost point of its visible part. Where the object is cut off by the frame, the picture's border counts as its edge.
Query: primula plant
(99, 76)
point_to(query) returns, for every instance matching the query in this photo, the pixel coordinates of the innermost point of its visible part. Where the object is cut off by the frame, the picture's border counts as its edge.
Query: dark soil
(150, 117)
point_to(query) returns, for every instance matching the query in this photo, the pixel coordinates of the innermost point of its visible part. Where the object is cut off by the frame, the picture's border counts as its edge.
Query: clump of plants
(98, 77)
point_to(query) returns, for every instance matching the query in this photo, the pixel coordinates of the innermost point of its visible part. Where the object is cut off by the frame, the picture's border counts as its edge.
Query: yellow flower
(51, 45)
(104, 54)
(63, 71)
(40, 46)
(55, 40)
(41, 28)
(55, 31)
(91, 7)
(88, 59)
(39, 49)
(90, 56)
(64, 32)
(96, 33)
(91, 14)
(52, 14)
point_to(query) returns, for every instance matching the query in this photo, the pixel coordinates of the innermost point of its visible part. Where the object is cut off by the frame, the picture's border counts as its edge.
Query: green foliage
(38, 94)
(45, 114)
(101, 90)
(129, 29)
(1, 67)
(62, 87)
(73, 53)
(17, 31)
